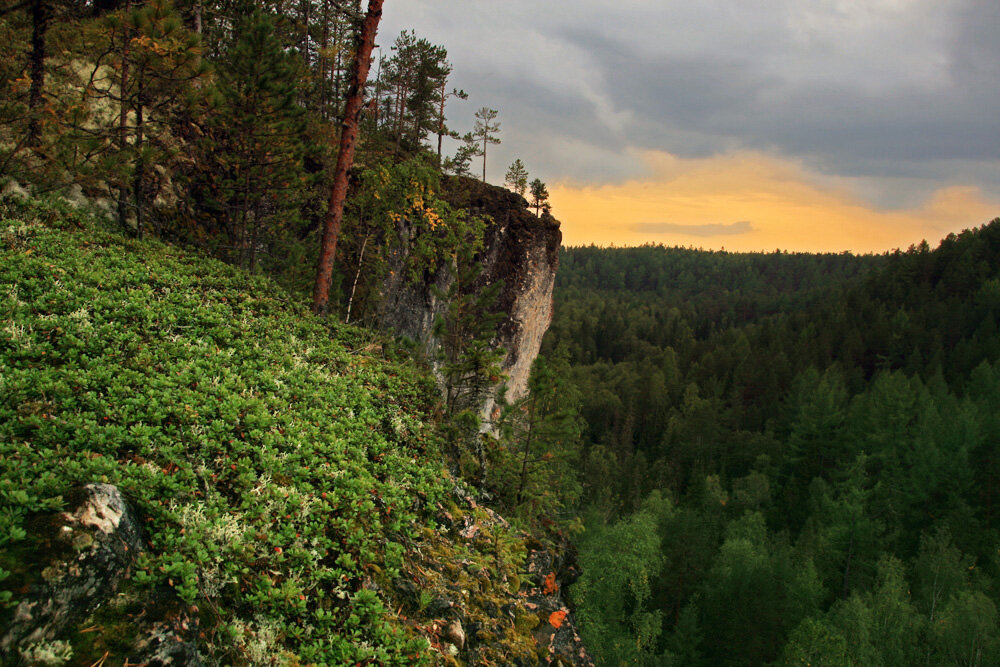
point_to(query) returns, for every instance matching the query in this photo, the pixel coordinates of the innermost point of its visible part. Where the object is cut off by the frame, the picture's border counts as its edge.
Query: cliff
(520, 250)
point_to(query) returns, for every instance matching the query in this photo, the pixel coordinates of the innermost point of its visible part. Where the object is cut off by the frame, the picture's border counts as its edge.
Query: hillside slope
(286, 473)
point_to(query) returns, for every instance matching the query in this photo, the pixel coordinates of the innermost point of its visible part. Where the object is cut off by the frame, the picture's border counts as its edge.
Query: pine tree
(154, 64)
(252, 153)
(415, 78)
(517, 177)
(442, 130)
(539, 196)
(470, 363)
(345, 157)
(485, 132)
(460, 163)
(41, 14)
(540, 434)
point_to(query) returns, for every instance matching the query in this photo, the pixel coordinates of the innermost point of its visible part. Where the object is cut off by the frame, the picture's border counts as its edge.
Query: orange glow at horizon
(753, 202)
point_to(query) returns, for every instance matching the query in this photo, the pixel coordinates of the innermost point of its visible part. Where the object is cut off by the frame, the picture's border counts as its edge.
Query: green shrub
(279, 469)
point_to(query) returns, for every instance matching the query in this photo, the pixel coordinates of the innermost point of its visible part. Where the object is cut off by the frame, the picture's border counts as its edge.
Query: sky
(801, 125)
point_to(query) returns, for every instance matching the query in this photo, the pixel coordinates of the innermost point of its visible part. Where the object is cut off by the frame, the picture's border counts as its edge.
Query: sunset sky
(814, 125)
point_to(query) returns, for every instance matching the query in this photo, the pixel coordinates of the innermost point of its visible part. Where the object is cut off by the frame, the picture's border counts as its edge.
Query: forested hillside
(788, 458)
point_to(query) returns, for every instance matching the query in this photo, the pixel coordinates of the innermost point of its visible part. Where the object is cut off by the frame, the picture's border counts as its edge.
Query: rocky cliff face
(520, 250)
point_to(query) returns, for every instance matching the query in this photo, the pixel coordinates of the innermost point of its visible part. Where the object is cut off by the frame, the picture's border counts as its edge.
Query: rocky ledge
(476, 611)
(520, 250)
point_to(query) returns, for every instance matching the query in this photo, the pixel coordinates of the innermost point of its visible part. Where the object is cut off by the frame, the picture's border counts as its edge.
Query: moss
(526, 621)
(110, 629)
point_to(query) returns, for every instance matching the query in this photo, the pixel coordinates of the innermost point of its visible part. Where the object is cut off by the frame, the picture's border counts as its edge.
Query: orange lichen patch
(556, 618)
(550, 586)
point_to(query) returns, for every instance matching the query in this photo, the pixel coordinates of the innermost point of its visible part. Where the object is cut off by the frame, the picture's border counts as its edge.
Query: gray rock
(520, 250)
(163, 646)
(87, 553)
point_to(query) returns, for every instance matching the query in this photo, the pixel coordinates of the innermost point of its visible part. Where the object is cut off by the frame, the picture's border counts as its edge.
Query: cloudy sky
(817, 125)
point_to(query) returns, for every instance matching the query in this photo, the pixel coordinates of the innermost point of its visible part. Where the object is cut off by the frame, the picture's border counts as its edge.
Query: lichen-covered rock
(483, 593)
(86, 553)
(520, 250)
(550, 572)
(169, 641)
(76, 600)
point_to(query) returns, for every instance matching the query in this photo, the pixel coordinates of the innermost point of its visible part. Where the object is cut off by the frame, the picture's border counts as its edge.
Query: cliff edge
(520, 250)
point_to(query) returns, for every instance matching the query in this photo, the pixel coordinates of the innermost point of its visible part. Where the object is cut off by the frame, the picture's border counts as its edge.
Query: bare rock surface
(520, 249)
(87, 553)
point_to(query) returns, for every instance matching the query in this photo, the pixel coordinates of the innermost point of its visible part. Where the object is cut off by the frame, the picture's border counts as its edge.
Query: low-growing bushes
(281, 464)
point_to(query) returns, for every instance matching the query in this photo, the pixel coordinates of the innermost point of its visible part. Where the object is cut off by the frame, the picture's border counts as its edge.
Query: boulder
(86, 553)
(80, 561)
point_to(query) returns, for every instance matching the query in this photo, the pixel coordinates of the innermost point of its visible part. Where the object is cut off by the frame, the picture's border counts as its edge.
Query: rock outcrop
(478, 614)
(461, 594)
(80, 562)
(87, 553)
(521, 250)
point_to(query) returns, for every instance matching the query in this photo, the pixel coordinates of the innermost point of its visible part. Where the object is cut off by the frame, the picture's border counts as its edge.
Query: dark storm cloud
(741, 227)
(686, 89)
(728, 94)
(880, 88)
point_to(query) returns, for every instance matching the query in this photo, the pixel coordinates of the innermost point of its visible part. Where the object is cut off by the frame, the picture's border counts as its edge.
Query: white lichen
(47, 654)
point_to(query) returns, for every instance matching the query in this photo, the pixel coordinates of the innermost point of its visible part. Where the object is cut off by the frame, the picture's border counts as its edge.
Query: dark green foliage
(149, 65)
(826, 425)
(410, 89)
(619, 562)
(469, 364)
(460, 163)
(757, 590)
(539, 196)
(248, 179)
(516, 177)
(485, 132)
(533, 470)
(213, 122)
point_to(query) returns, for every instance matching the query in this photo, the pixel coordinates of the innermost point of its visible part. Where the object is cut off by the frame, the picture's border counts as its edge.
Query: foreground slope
(286, 473)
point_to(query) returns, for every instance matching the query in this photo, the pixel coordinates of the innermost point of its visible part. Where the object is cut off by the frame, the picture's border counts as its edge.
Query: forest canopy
(810, 442)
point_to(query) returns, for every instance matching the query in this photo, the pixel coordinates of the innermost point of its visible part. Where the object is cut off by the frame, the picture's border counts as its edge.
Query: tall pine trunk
(527, 452)
(123, 119)
(441, 119)
(40, 13)
(140, 167)
(198, 27)
(348, 140)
